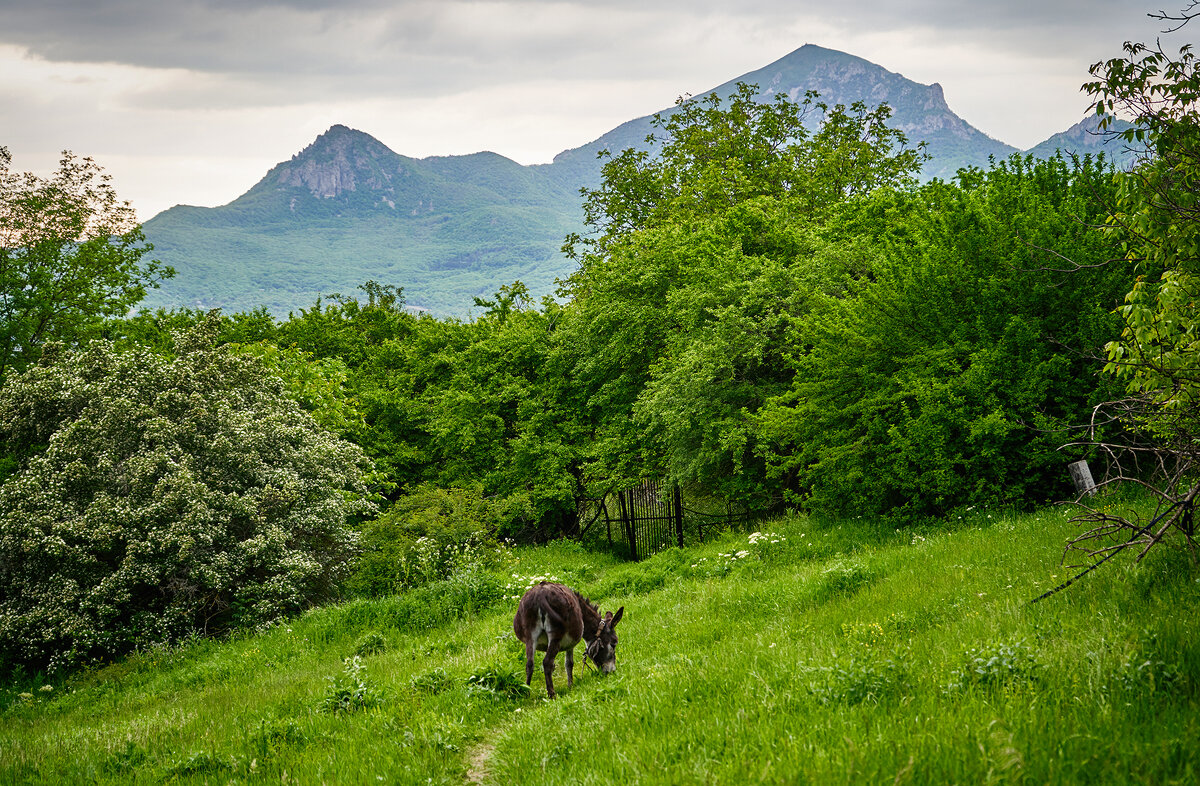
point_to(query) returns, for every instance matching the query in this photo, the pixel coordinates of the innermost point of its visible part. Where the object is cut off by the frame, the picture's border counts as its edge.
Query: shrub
(995, 666)
(498, 683)
(350, 690)
(427, 536)
(158, 497)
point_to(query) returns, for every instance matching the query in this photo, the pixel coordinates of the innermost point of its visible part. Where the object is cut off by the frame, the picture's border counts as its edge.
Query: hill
(836, 653)
(1085, 138)
(348, 209)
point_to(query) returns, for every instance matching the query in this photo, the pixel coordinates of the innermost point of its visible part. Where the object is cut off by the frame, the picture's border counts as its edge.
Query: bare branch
(1186, 15)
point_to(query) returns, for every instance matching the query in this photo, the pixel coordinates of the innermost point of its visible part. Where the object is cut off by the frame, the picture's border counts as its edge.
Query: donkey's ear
(616, 617)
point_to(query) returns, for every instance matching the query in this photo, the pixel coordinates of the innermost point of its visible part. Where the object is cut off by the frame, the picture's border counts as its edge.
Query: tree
(155, 498)
(947, 376)
(717, 153)
(1157, 219)
(70, 255)
(1152, 437)
(699, 258)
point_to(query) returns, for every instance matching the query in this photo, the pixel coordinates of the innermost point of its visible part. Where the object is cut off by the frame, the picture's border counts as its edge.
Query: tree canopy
(1150, 436)
(71, 255)
(698, 260)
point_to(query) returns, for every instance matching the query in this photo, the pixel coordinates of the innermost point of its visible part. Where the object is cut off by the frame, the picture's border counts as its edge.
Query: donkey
(553, 617)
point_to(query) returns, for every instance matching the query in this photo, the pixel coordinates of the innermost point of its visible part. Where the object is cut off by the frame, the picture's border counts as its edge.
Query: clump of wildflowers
(515, 588)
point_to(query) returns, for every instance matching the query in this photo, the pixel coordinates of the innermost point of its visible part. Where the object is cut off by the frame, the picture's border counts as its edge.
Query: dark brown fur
(553, 617)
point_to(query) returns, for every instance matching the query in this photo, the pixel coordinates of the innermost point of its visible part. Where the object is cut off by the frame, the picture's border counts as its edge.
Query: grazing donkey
(553, 617)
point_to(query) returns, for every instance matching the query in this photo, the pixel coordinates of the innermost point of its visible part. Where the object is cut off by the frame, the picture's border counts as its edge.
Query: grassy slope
(836, 655)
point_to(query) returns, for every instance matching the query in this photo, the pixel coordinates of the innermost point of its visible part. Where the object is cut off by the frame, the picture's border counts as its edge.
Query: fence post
(1081, 474)
(627, 520)
(678, 514)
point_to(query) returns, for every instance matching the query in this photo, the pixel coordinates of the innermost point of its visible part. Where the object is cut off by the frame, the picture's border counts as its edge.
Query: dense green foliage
(698, 261)
(845, 653)
(70, 256)
(769, 310)
(745, 323)
(950, 373)
(429, 535)
(1155, 220)
(155, 498)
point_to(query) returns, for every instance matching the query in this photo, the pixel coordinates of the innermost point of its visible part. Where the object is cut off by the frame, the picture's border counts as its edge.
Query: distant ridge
(347, 209)
(1085, 138)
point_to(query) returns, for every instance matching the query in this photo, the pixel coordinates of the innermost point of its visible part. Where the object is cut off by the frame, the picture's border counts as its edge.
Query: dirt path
(477, 762)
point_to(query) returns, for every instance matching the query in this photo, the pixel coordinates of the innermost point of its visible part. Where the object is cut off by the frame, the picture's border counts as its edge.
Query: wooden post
(1081, 474)
(678, 502)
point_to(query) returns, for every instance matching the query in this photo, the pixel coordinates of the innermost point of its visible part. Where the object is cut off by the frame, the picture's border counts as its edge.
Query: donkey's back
(549, 611)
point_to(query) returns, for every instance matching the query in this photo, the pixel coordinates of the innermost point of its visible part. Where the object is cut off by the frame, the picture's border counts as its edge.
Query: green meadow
(811, 652)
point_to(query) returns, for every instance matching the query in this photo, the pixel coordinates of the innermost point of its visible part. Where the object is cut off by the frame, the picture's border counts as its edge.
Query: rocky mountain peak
(339, 161)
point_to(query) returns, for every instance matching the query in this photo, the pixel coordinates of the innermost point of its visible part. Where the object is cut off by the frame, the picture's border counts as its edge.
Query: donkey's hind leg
(548, 664)
(529, 661)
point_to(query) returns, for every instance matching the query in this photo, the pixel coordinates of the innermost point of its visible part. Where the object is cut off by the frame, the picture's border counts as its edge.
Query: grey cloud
(281, 53)
(266, 53)
(283, 37)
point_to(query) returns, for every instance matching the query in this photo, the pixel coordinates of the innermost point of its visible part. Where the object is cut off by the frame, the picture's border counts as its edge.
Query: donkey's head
(602, 650)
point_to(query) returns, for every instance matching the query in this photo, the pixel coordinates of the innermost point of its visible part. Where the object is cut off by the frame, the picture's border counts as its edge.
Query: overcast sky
(191, 101)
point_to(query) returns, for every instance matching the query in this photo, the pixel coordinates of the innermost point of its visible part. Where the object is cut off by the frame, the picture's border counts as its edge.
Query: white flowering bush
(155, 497)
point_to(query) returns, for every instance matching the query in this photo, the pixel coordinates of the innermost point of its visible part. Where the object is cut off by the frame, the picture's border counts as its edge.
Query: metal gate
(651, 517)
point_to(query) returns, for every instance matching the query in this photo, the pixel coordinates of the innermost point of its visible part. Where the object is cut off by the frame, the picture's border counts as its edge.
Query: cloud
(439, 45)
(253, 81)
(238, 54)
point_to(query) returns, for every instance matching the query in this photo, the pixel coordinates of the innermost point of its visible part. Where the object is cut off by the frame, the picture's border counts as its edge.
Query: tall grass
(816, 653)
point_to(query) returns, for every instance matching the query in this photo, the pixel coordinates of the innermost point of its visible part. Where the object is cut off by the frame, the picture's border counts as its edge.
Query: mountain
(920, 111)
(1085, 138)
(347, 209)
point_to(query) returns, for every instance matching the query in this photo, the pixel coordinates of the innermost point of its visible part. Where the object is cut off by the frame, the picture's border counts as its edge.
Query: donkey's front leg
(570, 667)
(548, 665)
